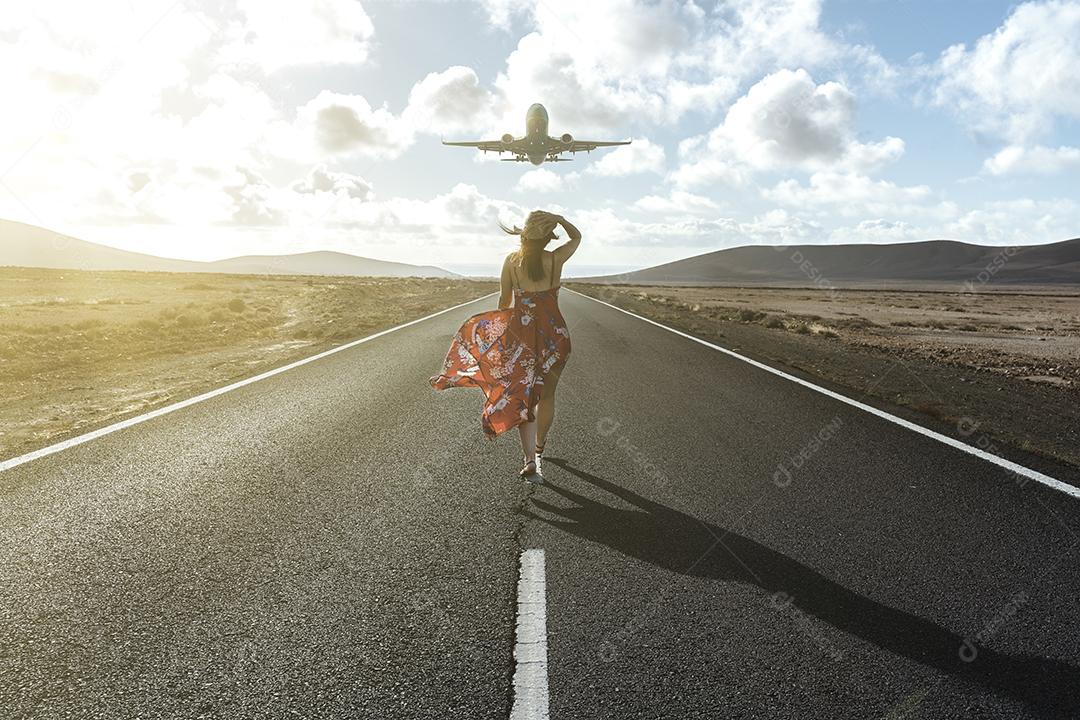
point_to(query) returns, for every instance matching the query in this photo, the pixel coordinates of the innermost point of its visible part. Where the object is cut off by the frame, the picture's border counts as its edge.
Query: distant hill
(31, 246)
(931, 262)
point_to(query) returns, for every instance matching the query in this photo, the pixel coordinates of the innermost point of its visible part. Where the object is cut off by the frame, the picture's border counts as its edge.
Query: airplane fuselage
(536, 133)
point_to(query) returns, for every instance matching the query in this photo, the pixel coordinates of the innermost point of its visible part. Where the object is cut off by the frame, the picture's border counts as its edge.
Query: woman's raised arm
(564, 251)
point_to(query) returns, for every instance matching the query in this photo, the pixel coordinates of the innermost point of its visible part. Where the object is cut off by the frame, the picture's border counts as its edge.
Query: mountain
(927, 262)
(324, 262)
(31, 246)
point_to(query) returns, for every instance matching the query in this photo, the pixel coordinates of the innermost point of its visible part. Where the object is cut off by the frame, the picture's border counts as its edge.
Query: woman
(515, 354)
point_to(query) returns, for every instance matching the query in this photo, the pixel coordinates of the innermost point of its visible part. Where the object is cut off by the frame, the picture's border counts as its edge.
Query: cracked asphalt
(341, 541)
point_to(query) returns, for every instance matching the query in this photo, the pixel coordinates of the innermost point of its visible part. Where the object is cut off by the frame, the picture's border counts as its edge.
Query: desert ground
(81, 349)
(999, 368)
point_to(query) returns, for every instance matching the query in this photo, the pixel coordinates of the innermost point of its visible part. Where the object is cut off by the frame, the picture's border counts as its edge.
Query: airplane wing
(486, 145)
(586, 145)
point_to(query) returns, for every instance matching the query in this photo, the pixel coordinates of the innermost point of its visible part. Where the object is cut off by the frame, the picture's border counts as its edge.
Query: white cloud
(704, 98)
(678, 201)
(773, 227)
(1037, 160)
(160, 120)
(539, 180)
(466, 216)
(160, 112)
(220, 195)
(757, 34)
(852, 195)
(878, 230)
(577, 98)
(347, 124)
(785, 121)
(464, 205)
(1014, 222)
(711, 170)
(343, 124)
(760, 36)
(638, 157)
(502, 12)
(624, 37)
(1016, 81)
(449, 101)
(251, 197)
(276, 35)
(441, 228)
(649, 63)
(462, 222)
(1021, 221)
(320, 179)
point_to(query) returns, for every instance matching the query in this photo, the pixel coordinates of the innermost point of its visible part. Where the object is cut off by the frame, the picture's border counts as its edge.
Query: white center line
(93, 435)
(530, 648)
(952, 442)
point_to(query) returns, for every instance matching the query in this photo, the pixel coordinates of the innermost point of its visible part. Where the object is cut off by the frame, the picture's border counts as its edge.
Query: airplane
(536, 145)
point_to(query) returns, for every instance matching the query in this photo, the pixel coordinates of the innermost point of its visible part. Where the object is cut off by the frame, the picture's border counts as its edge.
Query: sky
(203, 130)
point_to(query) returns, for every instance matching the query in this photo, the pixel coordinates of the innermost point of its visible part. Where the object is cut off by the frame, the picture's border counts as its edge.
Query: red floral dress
(507, 353)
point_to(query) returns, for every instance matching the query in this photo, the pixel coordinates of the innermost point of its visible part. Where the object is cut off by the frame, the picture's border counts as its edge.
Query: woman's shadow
(682, 543)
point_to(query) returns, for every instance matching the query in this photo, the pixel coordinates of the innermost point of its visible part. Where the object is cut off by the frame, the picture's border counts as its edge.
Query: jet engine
(567, 138)
(507, 139)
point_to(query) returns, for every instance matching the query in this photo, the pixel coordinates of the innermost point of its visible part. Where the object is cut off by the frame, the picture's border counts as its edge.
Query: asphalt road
(340, 540)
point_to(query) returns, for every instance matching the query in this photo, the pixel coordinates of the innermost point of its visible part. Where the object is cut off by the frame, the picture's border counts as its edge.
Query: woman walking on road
(515, 354)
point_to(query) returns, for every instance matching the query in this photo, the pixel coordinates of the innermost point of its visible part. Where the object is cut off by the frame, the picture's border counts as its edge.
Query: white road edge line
(530, 647)
(977, 452)
(93, 435)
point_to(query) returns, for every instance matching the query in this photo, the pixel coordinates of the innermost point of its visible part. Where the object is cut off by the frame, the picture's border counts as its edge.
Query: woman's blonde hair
(539, 230)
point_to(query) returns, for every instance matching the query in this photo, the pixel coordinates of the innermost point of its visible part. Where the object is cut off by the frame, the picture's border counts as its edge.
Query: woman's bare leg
(527, 433)
(545, 410)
